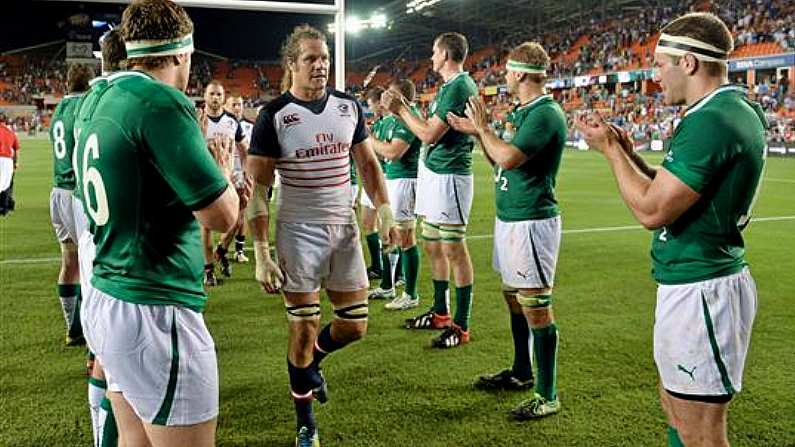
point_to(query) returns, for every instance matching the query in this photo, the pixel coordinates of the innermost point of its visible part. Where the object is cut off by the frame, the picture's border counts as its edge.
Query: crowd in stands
(619, 42)
(41, 75)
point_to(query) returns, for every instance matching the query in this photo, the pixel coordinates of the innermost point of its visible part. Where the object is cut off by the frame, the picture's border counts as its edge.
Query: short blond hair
(531, 53)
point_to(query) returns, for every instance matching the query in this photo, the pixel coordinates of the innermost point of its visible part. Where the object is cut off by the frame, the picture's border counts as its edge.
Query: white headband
(681, 45)
(523, 67)
(168, 47)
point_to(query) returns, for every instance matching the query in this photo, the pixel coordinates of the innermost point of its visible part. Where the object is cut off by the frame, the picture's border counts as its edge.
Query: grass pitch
(391, 389)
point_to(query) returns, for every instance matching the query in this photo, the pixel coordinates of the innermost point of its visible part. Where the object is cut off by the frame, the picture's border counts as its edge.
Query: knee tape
(452, 233)
(534, 301)
(303, 312)
(352, 312)
(430, 232)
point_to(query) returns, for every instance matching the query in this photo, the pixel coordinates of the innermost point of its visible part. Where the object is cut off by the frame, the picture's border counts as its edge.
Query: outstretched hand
(476, 112)
(461, 124)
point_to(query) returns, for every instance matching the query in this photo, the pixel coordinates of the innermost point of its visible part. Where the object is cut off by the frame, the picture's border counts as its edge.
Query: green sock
(463, 306)
(399, 267)
(110, 433)
(411, 269)
(386, 272)
(374, 247)
(522, 366)
(545, 344)
(440, 304)
(673, 438)
(69, 294)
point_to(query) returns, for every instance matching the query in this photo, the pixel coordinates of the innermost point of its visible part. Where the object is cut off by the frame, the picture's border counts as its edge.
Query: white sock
(96, 392)
(393, 260)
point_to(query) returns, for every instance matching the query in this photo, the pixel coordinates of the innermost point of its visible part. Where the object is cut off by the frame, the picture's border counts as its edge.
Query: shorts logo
(689, 373)
(524, 275)
(291, 119)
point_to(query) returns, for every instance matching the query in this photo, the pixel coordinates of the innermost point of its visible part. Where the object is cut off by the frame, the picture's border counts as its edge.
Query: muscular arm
(428, 131)
(221, 214)
(499, 152)
(392, 150)
(654, 202)
(370, 172)
(262, 170)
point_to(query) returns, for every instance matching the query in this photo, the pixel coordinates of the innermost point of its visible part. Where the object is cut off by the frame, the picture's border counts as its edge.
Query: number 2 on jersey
(98, 211)
(499, 178)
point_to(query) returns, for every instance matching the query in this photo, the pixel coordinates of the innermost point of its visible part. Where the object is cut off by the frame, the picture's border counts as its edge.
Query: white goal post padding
(337, 10)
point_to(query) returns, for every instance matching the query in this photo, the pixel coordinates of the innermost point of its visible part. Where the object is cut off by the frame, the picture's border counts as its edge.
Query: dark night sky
(235, 34)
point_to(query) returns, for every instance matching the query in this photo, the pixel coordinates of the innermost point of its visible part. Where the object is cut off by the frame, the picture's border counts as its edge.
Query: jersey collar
(535, 101)
(703, 101)
(123, 74)
(455, 76)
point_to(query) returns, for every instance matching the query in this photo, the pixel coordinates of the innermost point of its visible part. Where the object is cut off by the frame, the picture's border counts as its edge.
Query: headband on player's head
(522, 67)
(168, 47)
(681, 45)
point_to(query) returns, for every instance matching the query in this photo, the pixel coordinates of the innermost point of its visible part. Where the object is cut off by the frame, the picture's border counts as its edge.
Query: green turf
(391, 389)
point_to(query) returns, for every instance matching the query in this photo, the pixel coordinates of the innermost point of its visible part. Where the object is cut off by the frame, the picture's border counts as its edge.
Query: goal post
(337, 10)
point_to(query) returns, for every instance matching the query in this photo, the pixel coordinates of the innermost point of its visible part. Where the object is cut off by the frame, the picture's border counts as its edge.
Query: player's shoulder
(275, 105)
(341, 95)
(145, 89)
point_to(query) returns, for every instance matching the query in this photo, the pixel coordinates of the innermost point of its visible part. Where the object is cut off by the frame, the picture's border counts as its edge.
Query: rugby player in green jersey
(698, 202)
(62, 199)
(445, 189)
(369, 221)
(528, 228)
(147, 178)
(401, 150)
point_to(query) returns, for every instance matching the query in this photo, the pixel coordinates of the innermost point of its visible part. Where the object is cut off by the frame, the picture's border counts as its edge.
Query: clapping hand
(476, 112)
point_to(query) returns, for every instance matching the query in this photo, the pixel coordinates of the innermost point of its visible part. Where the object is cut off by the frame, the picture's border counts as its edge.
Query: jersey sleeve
(264, 140)
(184, 161)
(696, 154)
(535, 132)
(402, 132)
(452, 99)
(360, 133)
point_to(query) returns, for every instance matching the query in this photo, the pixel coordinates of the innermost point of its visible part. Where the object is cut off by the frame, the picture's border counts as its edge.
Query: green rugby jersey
(452, 154)
(379, 129)
(144, 167)
(95, 85)
(528, 191)
(62, 138)
(406, 166)
(719, 151)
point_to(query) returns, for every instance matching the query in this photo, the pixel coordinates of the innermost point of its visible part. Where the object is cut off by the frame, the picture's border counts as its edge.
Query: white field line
(778, 180)
(475, 237)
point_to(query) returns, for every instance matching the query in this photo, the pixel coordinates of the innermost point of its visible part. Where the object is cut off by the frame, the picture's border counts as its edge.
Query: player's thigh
(62, 216)
(402, 198)
(304, 252)
(197, 435)
(525, 253)
(131, 429)
(698, 422)
(445, 198)
(347, 271)
(702, 332)
(160, 357)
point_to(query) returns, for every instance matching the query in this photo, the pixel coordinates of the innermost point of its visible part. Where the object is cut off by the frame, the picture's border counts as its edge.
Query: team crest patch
(345, 109)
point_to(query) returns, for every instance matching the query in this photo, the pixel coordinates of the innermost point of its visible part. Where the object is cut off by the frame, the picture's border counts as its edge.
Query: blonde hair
(291, 49)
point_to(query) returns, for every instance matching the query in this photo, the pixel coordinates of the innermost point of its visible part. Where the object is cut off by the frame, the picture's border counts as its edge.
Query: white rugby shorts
(525, 253)
(313, 255)
(402, 197)
(701, 334)
(160, 357)
(443, 198)
(62, 215)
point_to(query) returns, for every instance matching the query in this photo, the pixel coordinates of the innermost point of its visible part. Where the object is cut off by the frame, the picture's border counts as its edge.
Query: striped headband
(168, 47)
(525, 68)
(680, 45)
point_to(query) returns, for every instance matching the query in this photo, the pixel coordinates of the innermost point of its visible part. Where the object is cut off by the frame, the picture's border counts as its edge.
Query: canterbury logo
(291, 119)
